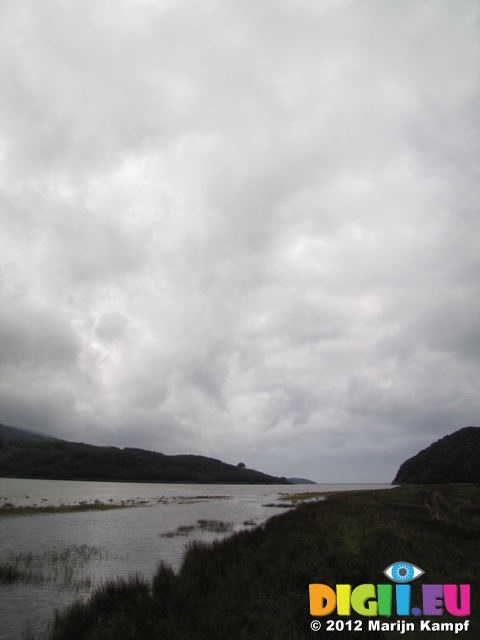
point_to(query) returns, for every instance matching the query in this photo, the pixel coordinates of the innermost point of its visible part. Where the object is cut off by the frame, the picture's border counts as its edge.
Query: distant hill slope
(300, 481)
(454, 458)
(62, 460)
(12, 433)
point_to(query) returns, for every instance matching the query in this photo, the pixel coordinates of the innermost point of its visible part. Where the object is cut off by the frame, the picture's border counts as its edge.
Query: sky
(245, 230)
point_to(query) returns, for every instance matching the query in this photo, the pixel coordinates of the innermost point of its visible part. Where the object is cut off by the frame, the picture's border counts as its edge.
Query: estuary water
(65, 555)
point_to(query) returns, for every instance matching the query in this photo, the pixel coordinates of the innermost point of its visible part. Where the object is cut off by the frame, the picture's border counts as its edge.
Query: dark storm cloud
(242, 231)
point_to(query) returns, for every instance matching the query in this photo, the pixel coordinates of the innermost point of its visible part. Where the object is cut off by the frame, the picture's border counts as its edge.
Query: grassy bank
(255, 583)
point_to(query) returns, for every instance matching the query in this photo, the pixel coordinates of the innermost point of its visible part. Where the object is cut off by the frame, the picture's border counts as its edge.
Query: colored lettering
(361, 595)
(450, 594)
(384, 598)
(372, 600)
(322, 599)
(402, 595)
(432, 599)
(343, 599)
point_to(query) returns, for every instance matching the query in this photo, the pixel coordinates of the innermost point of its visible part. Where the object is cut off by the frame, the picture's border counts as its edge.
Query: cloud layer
(245, 231)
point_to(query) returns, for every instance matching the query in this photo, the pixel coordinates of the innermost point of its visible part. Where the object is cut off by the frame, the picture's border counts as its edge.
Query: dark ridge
(452, 459)
(22, 457)
(13, 434)
(300, 481)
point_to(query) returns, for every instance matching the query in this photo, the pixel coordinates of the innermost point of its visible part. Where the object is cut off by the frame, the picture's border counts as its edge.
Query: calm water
(96, 545)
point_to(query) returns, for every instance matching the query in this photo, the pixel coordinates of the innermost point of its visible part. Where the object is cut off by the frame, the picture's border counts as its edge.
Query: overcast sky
(247, 230)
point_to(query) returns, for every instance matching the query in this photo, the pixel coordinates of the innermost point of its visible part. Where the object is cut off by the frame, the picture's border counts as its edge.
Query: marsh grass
(8, 509)
(205, 497)
(63, 567)
(189, 499)
(303, 497)
(290, 500)
(249, 523)
(213, 526)
(184, 530)
(254, 584)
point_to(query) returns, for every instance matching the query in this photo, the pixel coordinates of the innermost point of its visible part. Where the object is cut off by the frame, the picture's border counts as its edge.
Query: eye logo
(403, 572)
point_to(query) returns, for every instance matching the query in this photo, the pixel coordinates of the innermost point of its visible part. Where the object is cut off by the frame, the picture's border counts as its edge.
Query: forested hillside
(61, 460)
(13, 433)
(454, 458)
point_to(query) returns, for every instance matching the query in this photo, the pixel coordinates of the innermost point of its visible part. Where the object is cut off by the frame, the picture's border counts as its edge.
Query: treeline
(61, 460)
(454, 458)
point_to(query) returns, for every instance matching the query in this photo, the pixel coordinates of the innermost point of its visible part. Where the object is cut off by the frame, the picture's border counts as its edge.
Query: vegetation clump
(212, 526)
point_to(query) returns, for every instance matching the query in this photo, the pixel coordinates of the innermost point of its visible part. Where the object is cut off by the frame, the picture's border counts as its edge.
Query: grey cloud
(242, 228)
(33, 335)
(110, 327)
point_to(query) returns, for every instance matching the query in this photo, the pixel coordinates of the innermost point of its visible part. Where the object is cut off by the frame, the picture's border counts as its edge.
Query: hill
(454, 458)
(21, 435)
(300, 481)
(62, 460)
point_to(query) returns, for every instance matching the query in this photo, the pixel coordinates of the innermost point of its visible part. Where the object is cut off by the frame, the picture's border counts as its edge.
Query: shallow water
(104, 544)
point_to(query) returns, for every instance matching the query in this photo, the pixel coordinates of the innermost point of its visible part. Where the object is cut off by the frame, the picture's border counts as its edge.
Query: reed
(213, 526)
(63, 567)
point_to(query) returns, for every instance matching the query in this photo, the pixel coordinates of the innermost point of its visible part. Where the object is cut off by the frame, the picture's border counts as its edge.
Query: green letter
(360, 595)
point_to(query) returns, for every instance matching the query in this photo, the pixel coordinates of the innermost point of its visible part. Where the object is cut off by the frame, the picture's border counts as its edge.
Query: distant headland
(26, 454)
(452, 459)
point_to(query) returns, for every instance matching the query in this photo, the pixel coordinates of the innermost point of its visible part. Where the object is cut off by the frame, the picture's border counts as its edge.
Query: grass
(213, 526)
(249, 523)
(190, 499)
(254, 584)
(184, 530)
(9, 509)
(62, 567)
(301, 497)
